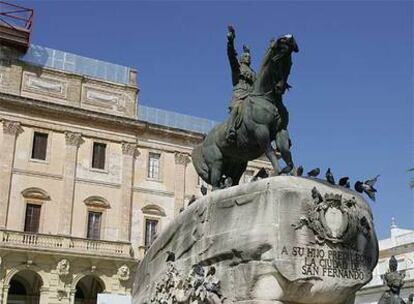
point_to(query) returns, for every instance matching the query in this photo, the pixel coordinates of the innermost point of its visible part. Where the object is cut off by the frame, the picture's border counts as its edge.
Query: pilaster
(44, 295)
(181, 161)
(129, 152)
(5, 293)
(73, 141)
(11, 129)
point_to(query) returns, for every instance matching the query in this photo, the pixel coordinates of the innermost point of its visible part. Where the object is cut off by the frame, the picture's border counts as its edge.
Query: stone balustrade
(46, 242)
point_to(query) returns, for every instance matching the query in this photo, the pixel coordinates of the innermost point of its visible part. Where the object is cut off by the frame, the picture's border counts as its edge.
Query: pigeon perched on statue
(262, 173)
(316, 195)
(329, 177)
(367, 187)
(170, 256)
(192, 200)
(344, 182)
(203, 190)
(299, 171)
(314, 172)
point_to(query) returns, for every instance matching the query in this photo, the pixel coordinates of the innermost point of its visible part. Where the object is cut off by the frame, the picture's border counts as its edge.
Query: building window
(154, 165)
(98, 156)
(32, 220)
(94, 225)
(39, 147)
(150, 230)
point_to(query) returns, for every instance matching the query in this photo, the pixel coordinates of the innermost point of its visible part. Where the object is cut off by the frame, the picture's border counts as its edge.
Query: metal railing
(25, 240)
(16, 16)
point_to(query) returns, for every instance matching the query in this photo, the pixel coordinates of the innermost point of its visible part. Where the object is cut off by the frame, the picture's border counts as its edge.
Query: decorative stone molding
(45, 85)
(104, 97)
(334, 219)
(61, 293)
(197, 286)
(73, 138)
(63, 267)
(36, 193)
(130, 149)
(182, 158)
(12, 127)
(29, 263)
(97, 202)
(153, 210)
(123, 273)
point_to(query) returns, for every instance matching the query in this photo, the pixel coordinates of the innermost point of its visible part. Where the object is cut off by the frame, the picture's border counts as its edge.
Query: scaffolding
(15, 25)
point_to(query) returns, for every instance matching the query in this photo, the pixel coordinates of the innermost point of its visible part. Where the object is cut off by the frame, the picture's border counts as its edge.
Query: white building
(401, 245)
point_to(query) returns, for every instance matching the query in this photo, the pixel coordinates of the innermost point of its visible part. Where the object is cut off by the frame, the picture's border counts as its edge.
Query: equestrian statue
(258, 116)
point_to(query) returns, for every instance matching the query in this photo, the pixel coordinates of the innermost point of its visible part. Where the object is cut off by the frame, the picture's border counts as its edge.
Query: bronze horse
(264, 119)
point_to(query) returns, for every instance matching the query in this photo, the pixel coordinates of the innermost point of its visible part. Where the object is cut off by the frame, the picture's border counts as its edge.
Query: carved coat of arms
(333, 219)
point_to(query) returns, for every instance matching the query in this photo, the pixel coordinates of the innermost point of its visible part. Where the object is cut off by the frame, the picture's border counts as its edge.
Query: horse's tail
(200, 163)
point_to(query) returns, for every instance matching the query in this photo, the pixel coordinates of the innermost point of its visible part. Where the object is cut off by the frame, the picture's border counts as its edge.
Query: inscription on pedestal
(344, 264)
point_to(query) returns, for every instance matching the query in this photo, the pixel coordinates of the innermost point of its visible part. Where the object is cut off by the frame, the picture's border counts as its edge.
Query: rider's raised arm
(232, 55)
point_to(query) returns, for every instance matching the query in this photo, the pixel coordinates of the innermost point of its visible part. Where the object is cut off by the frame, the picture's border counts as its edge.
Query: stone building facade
(86, 180)
(401, 245)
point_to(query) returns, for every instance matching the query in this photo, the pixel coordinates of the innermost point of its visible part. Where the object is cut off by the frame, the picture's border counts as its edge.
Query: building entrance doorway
(87, 290)
(25, 288)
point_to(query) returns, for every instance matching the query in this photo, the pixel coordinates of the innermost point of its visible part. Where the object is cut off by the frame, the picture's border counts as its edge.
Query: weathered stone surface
(279, 240)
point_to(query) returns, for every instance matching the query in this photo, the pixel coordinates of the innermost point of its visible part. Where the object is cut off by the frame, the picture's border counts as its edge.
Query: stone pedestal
(279, 240)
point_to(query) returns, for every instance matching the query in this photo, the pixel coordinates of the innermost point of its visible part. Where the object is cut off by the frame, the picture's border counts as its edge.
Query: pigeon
(262, 173)
(192, 200)
(371, 182)
(366, 188)
(299, 171)
(316, 195)
(329, 177)
(211, 271)
(203, 190)
(344, 182)
(170, 256)
(314, 173)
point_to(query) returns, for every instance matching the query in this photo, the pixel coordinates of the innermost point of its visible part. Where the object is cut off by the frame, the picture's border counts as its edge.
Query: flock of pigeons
(366, 187)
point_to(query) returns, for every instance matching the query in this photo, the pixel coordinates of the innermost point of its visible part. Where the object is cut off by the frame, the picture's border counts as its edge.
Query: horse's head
(276, 66)
(287, 43)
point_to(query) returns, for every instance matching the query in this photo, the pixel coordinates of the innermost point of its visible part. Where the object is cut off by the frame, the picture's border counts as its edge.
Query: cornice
(70, 113)
(153, 191)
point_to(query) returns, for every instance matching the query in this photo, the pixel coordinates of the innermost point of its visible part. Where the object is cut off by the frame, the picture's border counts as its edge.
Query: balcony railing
(35, 241)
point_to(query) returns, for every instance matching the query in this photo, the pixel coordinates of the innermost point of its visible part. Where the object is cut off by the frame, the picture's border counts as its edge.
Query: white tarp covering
(106, 298)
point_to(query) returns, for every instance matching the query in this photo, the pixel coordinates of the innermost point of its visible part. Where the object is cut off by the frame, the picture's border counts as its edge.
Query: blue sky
(351, 106)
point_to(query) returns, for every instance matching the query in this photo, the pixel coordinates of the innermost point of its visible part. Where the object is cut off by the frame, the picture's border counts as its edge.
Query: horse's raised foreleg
(283, 145)
(263, 138)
